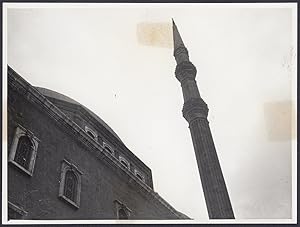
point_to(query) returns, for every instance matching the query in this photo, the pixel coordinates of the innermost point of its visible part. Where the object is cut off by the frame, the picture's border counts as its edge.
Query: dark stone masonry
(66, 163)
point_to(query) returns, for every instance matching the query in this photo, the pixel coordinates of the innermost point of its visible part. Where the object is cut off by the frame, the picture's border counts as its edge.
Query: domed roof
(55, 95)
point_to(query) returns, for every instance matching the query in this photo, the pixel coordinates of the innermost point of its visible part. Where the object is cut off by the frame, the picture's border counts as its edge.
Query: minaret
(195, 111)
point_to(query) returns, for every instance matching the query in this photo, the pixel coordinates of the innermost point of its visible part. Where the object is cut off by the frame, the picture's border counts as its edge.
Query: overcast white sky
(245, 58)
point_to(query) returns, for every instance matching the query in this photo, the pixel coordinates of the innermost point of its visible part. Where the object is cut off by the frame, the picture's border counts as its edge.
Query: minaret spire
(195, 111)
(176, 37)
(180, 52)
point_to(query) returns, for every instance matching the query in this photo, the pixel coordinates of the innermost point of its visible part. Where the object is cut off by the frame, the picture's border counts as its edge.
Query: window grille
(23, 152)
(70, 185)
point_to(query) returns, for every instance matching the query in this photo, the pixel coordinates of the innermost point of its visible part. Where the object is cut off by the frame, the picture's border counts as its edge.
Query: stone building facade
(64, 162)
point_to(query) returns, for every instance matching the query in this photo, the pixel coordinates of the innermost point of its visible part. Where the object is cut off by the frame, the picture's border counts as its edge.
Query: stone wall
(102, 180)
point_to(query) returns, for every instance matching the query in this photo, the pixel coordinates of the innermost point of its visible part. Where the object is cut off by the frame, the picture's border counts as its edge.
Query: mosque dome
(58, 96)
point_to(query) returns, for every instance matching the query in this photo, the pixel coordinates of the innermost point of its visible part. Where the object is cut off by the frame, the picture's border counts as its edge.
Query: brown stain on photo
(155, 34)
(280, 120)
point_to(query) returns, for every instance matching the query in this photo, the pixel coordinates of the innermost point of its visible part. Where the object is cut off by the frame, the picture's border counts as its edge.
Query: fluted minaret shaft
(195, 111)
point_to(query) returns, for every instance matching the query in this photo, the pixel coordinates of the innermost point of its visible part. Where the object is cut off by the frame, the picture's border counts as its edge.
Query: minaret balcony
(194, 109)
(185, 70)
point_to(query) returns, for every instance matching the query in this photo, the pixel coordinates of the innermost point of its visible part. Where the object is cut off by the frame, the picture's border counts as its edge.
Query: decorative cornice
(31, 94)
(81, 112)
(185, 70)
(194, 108)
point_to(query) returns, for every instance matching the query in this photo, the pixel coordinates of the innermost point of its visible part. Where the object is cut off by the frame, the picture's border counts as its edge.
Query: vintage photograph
(149, 113)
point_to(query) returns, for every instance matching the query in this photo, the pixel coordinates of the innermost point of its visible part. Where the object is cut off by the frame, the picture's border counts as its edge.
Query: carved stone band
(185, 70)
(194, 108)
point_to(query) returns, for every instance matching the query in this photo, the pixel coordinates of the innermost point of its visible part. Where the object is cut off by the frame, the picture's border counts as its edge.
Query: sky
(117, 60)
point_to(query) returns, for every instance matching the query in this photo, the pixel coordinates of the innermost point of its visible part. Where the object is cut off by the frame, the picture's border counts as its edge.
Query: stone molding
(185, 70)
(119, 145)
(16, 82)
(18, 209)
(194, 108)
(92, 131)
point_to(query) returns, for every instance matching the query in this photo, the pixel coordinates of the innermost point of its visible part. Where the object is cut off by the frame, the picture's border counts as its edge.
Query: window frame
(105, 145)
(16, 209)
(119, 205)
(121, 158)
(19, 132)
(137, 172)
(89, 130)
(68, 166)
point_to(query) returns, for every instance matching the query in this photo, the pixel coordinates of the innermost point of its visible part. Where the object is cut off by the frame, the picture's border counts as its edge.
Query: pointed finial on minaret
(180, 51)
(176, 37)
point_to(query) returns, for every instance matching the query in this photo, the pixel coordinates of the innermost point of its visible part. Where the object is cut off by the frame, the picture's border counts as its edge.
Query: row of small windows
(24, 148)
(125, 163)
(109, 150)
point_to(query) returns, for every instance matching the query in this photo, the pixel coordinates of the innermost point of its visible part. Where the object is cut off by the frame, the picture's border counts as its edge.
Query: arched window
(108, 149)
(24, 151)
(70, 185)
(91, 133)
(122, 214)
(124, 162)
(139, 175)
(122, 211)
